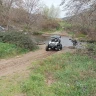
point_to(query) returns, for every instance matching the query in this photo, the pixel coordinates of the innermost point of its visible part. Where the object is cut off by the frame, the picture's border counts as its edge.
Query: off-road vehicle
(54, 43)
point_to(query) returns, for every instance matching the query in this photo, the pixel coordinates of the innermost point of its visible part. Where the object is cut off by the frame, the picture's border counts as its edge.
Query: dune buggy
(54, 44)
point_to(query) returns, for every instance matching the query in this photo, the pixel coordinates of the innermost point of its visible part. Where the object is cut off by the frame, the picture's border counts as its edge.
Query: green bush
(51, 25)
(19, 39)
(76, 28)
(37, 33)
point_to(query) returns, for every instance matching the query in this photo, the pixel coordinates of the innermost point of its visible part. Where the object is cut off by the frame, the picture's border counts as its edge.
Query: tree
(83, 13)
(0, 2)
(7, 6)
(45, 11)
(76, 6)
(32, 7)
(52, 12)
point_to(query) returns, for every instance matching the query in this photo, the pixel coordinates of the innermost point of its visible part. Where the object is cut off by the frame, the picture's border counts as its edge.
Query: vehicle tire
(47, 49)
(58, 48)
(61, 46)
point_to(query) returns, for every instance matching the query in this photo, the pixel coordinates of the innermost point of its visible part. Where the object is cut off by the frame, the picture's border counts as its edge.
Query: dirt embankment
(56, 33)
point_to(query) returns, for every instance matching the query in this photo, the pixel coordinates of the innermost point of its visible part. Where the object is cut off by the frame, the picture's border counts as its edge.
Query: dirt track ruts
(19, 63)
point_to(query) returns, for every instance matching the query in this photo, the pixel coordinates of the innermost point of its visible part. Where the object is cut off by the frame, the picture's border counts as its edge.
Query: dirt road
(20, 63)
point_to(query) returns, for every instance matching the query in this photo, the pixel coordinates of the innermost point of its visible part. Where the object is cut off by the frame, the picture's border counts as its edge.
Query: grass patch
(10, 85)
(62, 75)
(72, 34)
(59, 75)
(9, 50)
(81, 35)
(91, 47)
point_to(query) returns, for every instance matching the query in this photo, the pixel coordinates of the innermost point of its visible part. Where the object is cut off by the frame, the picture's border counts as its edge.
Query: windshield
(54, 40)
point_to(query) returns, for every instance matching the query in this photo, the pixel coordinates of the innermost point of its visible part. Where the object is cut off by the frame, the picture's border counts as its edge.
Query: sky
(50, 2)
(56, 3)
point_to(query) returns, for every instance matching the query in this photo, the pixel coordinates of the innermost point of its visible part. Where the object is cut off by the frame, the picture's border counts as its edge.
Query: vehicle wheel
(58, 48)
(47, 49)
(61, 46)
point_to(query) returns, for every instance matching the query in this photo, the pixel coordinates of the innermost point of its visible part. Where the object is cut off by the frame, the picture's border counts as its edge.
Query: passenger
(74, 42)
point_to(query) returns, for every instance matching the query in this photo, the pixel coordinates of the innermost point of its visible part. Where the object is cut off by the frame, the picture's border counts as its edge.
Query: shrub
(51, 25)
(76, 28)
(37, 33)
(18, 38)
(91, 47)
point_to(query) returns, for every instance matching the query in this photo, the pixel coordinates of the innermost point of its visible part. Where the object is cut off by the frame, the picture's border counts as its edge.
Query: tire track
(21, 63)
